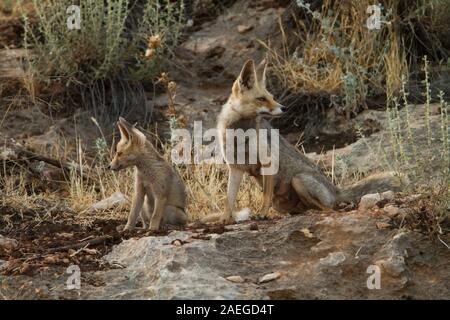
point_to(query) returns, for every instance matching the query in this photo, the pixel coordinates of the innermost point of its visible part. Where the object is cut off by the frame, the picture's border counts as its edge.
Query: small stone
(116, 199)
(368, 201)
(391, 210)
(243, 28)
(269, 277)
(177, 242)
(307, 233)
(236, 279)
(2, 264)
(333, 259)
(388, 195)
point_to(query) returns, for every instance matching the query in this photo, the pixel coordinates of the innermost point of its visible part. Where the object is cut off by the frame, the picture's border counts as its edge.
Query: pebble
(236, 279)
(269, 277)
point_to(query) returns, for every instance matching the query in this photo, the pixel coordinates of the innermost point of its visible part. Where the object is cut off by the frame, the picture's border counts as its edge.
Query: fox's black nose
(108, 167)
(283, 108)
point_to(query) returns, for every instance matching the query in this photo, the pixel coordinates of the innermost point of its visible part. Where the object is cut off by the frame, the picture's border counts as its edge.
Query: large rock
(375, 152)
(329, 262)
(314, 256)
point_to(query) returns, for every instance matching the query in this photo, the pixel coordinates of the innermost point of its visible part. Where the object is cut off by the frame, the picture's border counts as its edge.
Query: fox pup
(160, 194)
(299, 184)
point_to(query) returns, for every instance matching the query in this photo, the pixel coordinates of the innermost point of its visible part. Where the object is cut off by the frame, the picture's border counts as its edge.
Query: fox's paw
(211, 218)
(227, 220)
(218, 218)
(153, 227)
(128, 227)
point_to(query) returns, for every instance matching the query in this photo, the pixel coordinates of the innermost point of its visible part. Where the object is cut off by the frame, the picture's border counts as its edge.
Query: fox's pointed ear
(246, 79)
(261, 71)
(124, 133)
(129, 132)
(138, 136)
(125, 123)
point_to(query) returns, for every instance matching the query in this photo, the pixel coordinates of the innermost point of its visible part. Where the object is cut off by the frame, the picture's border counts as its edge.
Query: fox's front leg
(268, 186)
(136, 205)
(160, 205)
(234, 181)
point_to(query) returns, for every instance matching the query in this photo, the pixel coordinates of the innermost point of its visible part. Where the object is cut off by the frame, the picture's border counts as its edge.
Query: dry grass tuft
(335, 54)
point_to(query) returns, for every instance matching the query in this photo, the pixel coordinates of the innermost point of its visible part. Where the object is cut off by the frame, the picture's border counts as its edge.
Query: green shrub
(104, 47)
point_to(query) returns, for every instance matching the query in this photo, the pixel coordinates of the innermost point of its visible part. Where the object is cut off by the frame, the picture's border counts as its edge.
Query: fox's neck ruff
(149, 154)
(230, 114)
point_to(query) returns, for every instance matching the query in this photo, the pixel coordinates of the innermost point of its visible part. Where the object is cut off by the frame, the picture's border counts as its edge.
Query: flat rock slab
(334, 260)
(332, 264)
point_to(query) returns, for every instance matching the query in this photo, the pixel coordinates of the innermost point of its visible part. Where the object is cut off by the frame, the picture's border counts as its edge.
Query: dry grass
(336, 54)
(205, 183)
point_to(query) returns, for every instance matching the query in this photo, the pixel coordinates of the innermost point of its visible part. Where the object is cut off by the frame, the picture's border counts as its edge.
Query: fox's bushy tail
(375, 183)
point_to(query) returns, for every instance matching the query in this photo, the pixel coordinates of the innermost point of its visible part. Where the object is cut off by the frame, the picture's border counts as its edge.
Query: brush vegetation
(103, 46)
(331, 52)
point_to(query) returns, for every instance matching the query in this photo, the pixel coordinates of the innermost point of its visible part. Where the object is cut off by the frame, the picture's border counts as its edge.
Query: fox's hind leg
(174, 216)
(312, 192)
(144, 212)
(147, 210)
(268, 186)
(158, 212)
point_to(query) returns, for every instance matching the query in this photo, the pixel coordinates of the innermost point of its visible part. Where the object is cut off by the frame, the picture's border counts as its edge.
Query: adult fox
(299, 184)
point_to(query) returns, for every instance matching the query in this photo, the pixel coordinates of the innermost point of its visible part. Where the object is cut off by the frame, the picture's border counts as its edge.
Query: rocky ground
(318, 255)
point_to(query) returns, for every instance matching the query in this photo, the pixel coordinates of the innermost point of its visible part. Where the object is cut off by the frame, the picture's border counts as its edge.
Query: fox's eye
(119, 154)
(262, 99)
